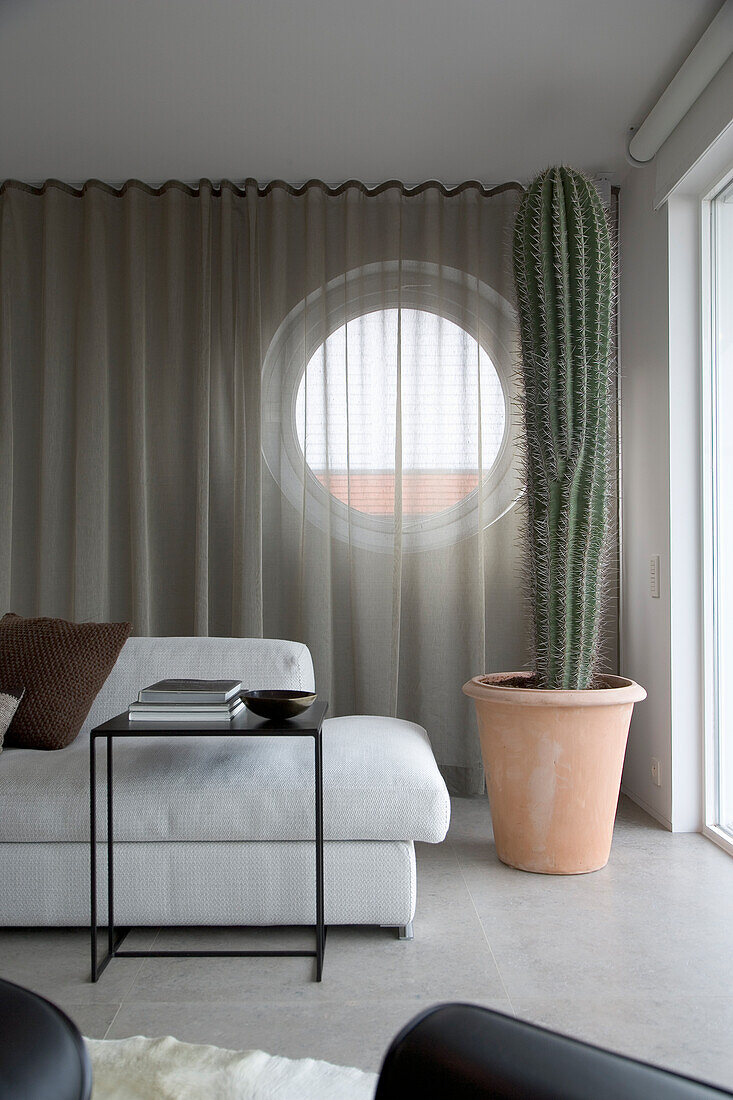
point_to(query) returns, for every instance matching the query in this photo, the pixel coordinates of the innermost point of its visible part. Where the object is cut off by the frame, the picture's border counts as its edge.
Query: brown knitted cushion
(62, 666)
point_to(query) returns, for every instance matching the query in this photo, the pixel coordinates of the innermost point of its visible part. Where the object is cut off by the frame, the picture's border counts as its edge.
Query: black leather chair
(463, 1052)
(42, 1054)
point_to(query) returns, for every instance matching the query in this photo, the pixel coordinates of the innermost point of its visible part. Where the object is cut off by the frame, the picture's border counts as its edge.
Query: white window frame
(709, 529)
(692, 685)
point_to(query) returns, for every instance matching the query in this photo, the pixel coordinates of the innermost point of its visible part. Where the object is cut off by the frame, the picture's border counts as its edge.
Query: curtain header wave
(261, 189)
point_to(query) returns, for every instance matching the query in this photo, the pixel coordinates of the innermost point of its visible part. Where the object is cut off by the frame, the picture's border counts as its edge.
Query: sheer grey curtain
(268, 411)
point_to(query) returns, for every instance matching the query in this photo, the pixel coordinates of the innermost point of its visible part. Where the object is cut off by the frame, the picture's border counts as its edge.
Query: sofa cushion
(381, 782)
(257, 662)
(61, 666)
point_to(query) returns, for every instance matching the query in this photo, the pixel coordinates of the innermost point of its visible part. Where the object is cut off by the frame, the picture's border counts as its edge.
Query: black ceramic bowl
(278, 705)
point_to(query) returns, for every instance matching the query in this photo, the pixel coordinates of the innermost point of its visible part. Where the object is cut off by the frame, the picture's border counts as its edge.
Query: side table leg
(93, 854)
(320, 929)
(114, 939)
(110, 842)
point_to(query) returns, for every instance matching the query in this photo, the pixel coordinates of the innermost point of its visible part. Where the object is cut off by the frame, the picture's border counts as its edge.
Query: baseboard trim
(647, 808)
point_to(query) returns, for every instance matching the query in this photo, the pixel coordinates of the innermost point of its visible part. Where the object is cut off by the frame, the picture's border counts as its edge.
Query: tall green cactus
(564, 276)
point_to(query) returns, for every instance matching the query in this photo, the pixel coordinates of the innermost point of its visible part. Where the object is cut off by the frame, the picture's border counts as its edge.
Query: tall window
(720, 766)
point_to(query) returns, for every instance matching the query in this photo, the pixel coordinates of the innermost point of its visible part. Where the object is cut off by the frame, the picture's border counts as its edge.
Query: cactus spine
(563, 271)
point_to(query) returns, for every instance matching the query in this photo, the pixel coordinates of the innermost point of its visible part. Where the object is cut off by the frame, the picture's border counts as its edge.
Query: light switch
(654, 576)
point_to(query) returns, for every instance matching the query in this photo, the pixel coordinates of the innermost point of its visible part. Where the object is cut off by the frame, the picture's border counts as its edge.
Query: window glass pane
(723, 502)
(346, 412)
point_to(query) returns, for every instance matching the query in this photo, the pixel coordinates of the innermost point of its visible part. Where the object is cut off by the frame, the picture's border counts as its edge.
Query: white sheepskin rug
(164, 1069)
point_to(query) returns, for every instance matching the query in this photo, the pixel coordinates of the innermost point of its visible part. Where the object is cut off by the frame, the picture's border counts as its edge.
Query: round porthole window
(390, 407)
(388, 410)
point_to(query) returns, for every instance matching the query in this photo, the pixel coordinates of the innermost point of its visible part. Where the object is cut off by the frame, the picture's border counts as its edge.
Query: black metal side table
(246, 724)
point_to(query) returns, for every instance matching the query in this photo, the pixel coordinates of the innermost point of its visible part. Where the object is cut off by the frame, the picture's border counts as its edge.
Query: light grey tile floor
(637, 957)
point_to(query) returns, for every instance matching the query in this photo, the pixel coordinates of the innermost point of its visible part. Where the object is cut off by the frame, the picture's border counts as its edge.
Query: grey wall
(664, 324)
(644, 347)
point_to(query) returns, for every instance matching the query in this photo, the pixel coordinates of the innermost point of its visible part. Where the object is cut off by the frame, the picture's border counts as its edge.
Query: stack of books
(188, 701)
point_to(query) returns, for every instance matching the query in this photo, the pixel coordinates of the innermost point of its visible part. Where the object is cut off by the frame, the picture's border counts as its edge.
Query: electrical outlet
(656, 772)
(654, 577)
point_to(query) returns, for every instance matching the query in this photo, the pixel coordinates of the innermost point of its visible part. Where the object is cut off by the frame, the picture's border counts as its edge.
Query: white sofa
(220, 830)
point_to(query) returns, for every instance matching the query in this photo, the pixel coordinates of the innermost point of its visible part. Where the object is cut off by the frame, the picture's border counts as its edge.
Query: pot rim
(617, 690)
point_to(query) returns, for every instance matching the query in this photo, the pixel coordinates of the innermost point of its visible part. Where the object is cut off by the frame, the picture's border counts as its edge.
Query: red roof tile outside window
(423, 493)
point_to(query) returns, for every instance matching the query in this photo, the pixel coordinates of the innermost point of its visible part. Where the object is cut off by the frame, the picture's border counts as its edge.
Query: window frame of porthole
(449, 293)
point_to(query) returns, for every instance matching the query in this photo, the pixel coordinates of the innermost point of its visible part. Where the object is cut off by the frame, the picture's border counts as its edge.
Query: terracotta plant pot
(553, 761)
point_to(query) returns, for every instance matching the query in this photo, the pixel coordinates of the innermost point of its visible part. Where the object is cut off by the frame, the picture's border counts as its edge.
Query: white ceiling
(372, 89)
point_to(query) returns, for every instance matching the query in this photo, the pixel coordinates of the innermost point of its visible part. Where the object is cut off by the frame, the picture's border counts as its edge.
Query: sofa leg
(405, 932)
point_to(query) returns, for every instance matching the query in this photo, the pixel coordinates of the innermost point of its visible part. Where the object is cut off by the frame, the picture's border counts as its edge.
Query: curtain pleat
(9, 250)
(202, 405)
(91, 428)
(135, 279)
(267, 411)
